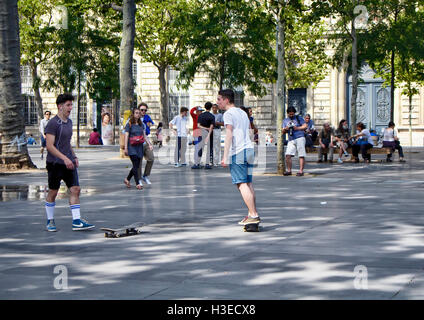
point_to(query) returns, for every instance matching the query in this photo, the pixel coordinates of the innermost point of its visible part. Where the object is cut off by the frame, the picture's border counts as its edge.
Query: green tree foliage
(393, 45)
(346, 19)
(13, 147)
(161, 34)
(36, 35)
(232, 42)
(85, 50)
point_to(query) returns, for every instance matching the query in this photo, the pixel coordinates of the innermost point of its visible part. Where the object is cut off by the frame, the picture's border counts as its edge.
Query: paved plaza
(349, 231)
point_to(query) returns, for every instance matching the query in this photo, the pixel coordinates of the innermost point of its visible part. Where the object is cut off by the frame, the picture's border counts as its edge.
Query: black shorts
(57, 172)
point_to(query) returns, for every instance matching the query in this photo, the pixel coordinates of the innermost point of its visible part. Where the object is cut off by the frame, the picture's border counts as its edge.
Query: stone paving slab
(316, 229)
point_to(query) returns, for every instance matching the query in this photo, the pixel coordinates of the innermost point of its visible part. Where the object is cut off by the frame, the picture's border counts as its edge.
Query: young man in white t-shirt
(180, 122)
(239, 146)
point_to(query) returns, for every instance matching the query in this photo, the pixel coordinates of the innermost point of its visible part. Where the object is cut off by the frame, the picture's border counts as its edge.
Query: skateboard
(251, 227)
(124, 231)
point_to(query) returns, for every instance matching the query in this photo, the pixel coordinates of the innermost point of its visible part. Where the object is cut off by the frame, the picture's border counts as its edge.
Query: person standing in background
(219, 122)
(205, 122)
(180, 122)
(43, 125)
(197, 134)
(107, 129)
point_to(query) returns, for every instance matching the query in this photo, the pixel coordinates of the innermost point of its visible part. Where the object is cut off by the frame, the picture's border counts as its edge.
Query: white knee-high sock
(50, 210)
(75, 209)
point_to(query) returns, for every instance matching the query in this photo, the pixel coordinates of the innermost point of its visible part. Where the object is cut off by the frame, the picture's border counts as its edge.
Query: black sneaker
(196, 166)
(208, 166)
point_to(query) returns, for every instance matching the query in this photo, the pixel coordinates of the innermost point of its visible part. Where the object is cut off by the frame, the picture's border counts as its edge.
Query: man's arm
(302, 127)
(56, 153)
(127, 134)
(227, 145)
(147, 140)
(209, 134)
(75, 157)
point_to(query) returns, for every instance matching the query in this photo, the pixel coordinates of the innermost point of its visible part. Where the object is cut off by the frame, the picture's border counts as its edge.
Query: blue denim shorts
(241, 166)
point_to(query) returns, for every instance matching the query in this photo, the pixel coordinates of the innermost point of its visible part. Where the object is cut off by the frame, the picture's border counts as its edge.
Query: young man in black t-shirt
(206, 122)
(62, 164)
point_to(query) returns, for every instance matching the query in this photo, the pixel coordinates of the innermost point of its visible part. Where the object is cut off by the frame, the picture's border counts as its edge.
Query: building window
(26, 80)
(177, 97)
(30, 110)
(238, 98)
(83, 111)
(134, 71)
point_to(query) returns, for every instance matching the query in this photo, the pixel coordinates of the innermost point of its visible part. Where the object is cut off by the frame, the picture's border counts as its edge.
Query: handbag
(136, 140)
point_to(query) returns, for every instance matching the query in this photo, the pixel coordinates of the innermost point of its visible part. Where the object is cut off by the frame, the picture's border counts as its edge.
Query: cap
(199, 109)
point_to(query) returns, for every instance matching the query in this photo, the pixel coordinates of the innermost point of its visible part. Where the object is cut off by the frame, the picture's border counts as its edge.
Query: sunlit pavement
(349, 231)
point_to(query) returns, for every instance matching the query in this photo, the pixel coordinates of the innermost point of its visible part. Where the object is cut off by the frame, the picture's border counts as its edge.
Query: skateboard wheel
(117, 235)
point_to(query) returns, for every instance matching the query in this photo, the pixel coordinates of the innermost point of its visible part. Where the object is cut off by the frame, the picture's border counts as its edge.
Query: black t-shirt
(205, 119)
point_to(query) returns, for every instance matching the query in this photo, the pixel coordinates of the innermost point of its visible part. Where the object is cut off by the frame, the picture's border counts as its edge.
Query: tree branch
(114, 7)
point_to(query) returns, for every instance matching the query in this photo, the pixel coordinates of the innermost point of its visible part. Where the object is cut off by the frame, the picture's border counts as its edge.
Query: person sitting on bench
(310, 132)
(363, 142)
(342, 139)
(325, 140)
(391, 140)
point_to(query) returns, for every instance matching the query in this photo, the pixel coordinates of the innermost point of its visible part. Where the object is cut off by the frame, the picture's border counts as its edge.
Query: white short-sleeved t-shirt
(181, 123)
(367, 136)
(389, 135)
(241, 129)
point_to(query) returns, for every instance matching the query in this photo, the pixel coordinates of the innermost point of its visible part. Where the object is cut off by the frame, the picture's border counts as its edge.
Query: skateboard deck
(124, 231)
(251, 227)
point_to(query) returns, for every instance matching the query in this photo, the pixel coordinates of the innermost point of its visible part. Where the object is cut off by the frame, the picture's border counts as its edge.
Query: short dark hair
(245, 110)
(360, 125)
(227, 93)
(208, 105)
(291, 109)
(391, 124)
(183, 109)
(47, 111)
(143, 104)
(62, 98)
(94, 129)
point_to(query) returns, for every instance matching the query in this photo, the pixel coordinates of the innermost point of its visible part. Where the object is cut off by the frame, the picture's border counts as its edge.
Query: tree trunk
(78, 109)
(126, 51)
(36, 89)
(281, 95)
(392, 86)
(13, 148)
(164, 97)
(410, 119)
(354, 78)
(126, 56)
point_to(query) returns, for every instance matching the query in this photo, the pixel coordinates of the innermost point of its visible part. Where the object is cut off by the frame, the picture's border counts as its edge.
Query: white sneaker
(146, 179)
(339, 160)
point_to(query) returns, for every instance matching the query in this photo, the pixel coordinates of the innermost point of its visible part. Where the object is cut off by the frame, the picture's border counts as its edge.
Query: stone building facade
(328, 101)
